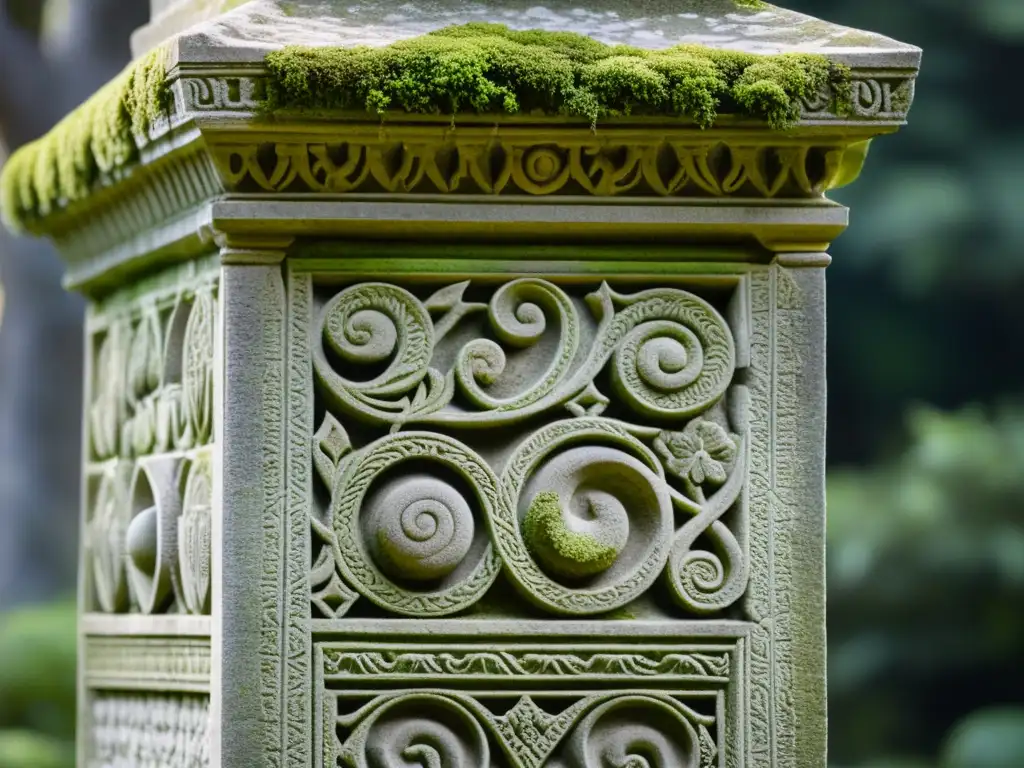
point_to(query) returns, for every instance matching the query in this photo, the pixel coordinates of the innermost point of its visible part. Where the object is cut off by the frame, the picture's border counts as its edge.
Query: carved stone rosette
(460, 442)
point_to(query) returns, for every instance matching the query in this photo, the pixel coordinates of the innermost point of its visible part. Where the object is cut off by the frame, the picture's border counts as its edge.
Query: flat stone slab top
(248, 32)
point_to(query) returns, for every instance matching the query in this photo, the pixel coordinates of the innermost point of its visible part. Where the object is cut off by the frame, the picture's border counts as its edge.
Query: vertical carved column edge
(248, 616)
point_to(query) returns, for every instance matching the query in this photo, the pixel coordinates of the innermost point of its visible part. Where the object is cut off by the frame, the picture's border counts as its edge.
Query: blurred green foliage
(37, 687)
(926, 585)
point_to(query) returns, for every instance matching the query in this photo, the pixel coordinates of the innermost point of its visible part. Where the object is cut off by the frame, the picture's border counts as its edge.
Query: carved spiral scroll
(373, 324)
(518, 314)
(416, 529)
(674, 355)
(634, 731)
(421, 729)
(604, 537)
(419, 528)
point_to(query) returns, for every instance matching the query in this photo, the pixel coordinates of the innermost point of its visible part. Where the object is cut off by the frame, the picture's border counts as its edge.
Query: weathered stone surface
(499, 445)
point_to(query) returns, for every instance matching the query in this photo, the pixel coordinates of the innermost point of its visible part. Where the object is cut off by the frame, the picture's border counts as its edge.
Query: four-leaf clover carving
(698, 454)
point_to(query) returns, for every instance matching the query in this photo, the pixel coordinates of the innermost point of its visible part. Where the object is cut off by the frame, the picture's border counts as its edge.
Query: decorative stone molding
(474, 441)
(876, 96)
(511, 162)
(165, 664)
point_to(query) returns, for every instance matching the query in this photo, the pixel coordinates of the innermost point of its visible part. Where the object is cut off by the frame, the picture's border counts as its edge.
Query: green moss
(754, 4)
(568, 552)
(95, 139)
(481, 68)
(489, 68)
(620, 614)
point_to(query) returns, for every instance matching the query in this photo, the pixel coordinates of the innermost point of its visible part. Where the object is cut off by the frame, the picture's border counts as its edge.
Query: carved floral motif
(698, 455)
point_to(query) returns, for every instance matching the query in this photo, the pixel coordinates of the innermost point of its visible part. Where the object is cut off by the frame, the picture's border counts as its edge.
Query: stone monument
(456, 379)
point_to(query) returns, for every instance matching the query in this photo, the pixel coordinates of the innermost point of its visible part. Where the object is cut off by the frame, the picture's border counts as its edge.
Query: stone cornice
(215, 142)
(879, 96)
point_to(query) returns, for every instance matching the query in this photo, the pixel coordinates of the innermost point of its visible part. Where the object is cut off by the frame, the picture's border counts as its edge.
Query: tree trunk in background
(85, 44)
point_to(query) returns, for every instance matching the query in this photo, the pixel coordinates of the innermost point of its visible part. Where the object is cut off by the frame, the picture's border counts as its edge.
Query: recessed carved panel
(545, 507)
(149, 425)
(128, 730)
(583, 444)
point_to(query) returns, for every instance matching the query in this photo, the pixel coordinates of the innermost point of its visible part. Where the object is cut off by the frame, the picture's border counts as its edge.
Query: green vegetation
(489, 68)
(37, 687)
(97, 138)
(926, 580)
(481, 68)
(575, 554)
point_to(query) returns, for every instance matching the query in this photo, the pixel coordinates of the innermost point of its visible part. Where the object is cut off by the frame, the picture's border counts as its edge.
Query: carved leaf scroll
(404, 162)
(445, 728)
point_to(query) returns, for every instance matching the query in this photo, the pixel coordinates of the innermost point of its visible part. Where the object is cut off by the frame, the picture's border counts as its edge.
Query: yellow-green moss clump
(97, 138)
(566, 552)
(489, 68)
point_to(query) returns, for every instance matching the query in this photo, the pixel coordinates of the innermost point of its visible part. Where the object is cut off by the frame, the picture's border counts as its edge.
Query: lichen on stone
(94, 140)
(489, 68)
(567, 552)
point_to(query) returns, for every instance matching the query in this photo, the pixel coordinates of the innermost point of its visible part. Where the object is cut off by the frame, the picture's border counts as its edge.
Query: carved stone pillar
(494, 440)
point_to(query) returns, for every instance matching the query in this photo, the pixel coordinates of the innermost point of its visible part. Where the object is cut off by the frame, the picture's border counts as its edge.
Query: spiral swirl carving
(585, 524)
(605, 538)
(634, 732)
(371, 324)
(418, 528)
(435, 729)
(583, 517)
(518, 314)
(415, 529)
(708, 580)
(420, 729)
(676, 356)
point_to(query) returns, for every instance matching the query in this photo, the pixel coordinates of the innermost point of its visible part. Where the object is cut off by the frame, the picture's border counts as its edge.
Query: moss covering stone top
(489, 68)
(480, 68)
(97, 139)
